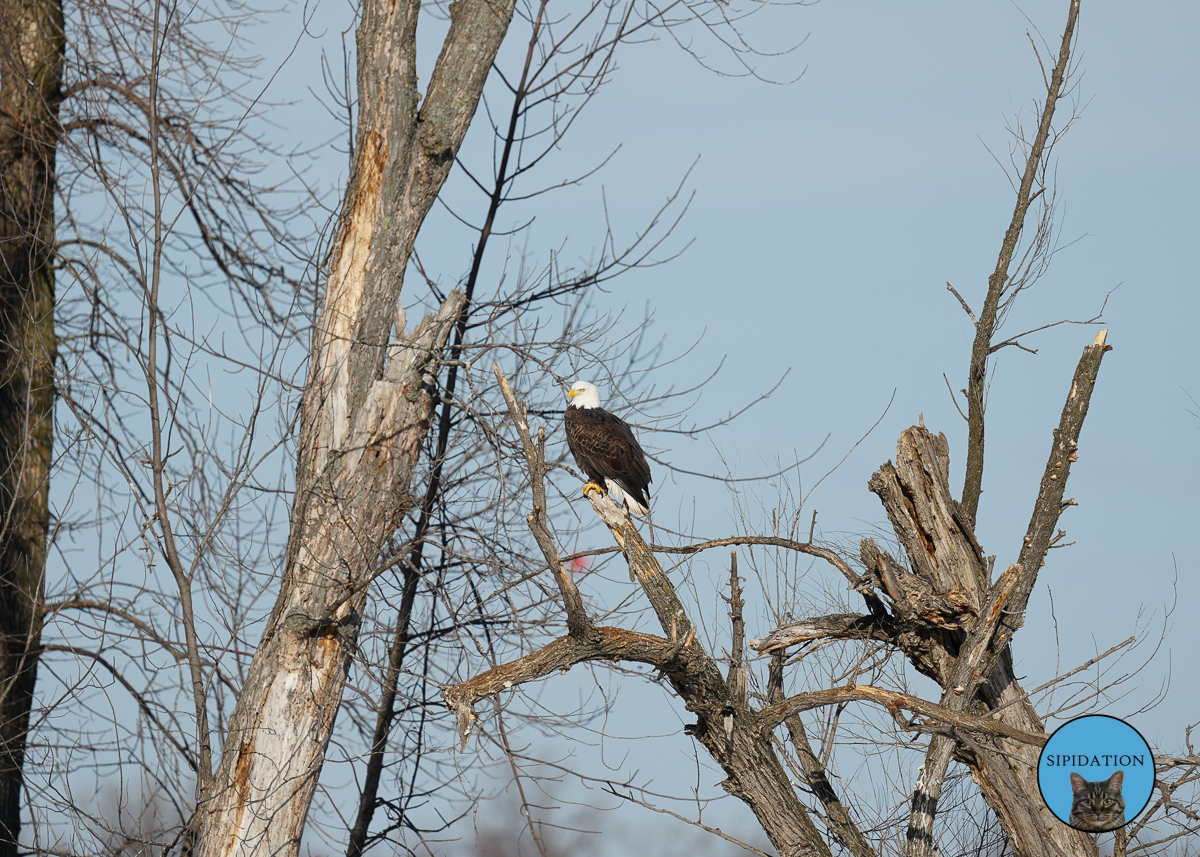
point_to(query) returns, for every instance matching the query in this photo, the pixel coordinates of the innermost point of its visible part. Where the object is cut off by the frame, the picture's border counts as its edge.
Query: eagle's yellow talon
(592, 486)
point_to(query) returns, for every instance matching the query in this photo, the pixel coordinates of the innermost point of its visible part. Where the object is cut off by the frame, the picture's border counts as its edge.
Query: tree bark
(365, 413)
(837, 815)
(939, 540)
(31, 64)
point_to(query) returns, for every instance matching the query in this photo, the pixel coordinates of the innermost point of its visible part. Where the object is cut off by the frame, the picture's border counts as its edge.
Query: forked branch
(602, 644)
(1004, 609)
(729, 732)
(841, 823)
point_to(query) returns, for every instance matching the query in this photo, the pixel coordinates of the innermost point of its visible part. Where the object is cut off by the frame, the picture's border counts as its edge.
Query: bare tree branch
(998, 282)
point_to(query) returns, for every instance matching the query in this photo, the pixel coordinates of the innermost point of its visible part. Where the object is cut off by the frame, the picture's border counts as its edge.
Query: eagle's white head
(584, 394)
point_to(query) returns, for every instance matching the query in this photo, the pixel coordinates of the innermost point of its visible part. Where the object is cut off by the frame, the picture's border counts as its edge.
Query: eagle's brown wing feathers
(606, 449)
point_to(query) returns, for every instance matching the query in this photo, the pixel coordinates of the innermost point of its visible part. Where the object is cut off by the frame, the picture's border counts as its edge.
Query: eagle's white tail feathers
(617, 494)
(636, 507)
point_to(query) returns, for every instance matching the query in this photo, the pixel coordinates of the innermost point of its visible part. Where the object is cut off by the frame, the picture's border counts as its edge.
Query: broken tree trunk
(969, 655)
(365, 413)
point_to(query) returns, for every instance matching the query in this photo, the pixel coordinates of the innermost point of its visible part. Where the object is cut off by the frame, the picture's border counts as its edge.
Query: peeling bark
(948, 616)
(365, 413)
(974, 668)
(284, 718)
(951, 618)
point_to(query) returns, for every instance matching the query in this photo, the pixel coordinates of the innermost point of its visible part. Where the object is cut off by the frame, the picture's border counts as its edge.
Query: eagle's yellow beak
(571, 394)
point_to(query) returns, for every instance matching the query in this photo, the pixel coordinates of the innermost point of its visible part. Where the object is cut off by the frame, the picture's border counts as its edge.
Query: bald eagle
(606, 449)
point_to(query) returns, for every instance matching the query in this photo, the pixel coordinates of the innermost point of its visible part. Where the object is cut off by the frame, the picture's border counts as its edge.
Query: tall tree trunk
(31, 63)
(365, 413)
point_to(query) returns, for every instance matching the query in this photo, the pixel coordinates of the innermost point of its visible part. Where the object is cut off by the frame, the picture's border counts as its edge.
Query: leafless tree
(173, 256)
(462, 545)
(407, 559)
(30, 91)
(369, 399)
(182, 262)
(933, 605)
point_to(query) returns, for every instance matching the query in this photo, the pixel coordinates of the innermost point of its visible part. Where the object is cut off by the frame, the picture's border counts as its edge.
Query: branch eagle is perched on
(606, 449)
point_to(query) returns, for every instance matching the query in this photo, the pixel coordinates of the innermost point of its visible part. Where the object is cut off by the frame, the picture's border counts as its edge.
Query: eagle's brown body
(606, 449)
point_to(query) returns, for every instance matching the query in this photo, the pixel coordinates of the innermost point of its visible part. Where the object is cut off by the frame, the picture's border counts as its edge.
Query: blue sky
(829, 215)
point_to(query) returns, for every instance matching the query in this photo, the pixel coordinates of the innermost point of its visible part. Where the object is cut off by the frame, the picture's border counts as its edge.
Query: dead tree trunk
(31, 61)
(948, 616)
(968, 655)
(365, 413)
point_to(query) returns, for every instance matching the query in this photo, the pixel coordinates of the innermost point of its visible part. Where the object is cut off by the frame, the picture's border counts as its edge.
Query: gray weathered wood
(935, 534)
(365, 413)
(727, 729)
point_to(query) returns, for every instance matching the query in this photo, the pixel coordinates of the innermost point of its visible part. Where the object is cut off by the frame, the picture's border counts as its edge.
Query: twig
(512, 763)
(830, 556)
(773, 715)
(952, 397)
(716, 831)
(966, 308)
(1027, 694)
(841, 824)
(867, 434)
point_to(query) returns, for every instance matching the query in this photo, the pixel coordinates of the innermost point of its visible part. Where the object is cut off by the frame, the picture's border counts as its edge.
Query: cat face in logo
(1097, 807)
